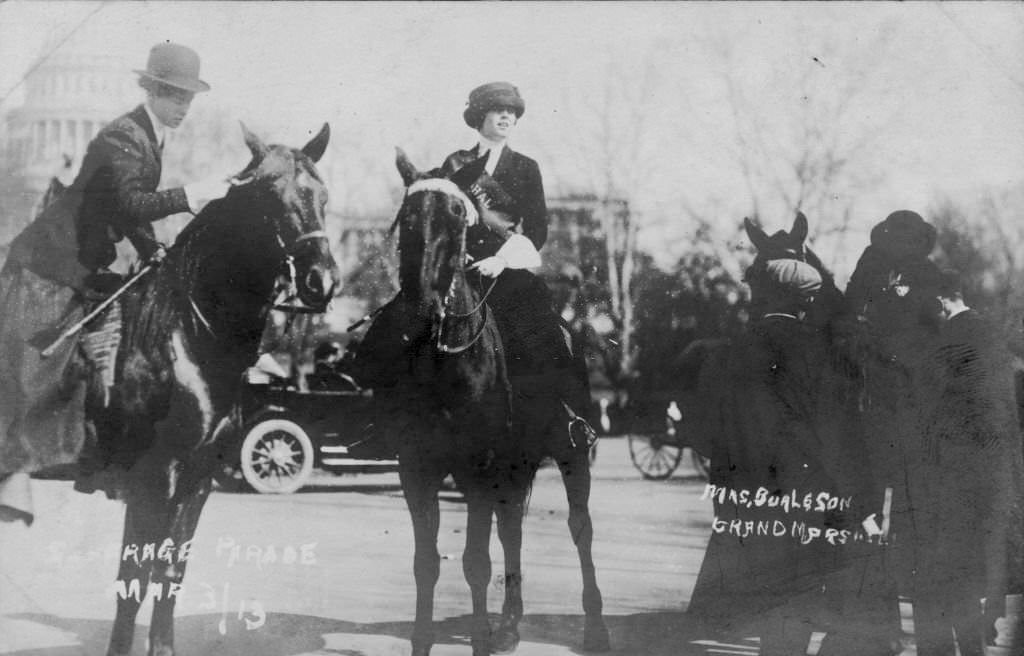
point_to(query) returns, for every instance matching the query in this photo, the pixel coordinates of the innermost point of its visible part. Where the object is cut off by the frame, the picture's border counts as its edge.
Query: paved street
(329, 570)
(349, 588)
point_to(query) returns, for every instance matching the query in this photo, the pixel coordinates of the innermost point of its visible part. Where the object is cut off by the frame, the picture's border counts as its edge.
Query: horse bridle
(480, 307)
(279, 304)
(448, 187)
(291, 302)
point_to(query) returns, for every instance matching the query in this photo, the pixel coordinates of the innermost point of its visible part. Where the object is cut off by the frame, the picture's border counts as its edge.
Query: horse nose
(320, 282)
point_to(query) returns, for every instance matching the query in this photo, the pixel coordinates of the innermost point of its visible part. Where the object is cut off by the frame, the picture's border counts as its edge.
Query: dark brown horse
(778, 416)
(456, 411)
(190, 330)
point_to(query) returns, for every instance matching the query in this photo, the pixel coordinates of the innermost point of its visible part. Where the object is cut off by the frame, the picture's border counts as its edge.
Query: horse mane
(158, 306)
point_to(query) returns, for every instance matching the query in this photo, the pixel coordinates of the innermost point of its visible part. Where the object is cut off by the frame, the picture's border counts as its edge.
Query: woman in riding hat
(60, 261)
(504, 246)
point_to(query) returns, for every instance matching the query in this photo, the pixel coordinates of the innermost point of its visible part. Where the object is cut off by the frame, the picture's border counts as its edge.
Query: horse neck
(225, 283)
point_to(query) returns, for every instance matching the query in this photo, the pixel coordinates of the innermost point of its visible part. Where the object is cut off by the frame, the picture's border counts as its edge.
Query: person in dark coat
(505, 245)
(893, 294)
(58, 266)
(969, 543)
(789, 478)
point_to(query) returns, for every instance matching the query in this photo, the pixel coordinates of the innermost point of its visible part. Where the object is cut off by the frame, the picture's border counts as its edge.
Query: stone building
(68, 98)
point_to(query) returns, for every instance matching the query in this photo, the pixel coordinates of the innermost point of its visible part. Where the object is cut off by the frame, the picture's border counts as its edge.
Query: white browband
(446, 187)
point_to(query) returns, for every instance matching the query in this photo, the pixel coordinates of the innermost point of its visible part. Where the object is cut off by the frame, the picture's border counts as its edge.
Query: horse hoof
(421, 650)
(595, 636)
(505, 640)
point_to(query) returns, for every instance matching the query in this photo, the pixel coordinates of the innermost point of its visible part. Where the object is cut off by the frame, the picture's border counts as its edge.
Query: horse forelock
(431, 240)
(445, 186)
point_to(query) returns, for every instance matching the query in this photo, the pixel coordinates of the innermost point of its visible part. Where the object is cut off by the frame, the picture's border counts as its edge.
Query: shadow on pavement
(651, 634)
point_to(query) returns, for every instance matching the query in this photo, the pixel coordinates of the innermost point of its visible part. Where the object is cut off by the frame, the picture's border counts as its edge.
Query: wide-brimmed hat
(904, 234)
(174, 65)
(491, 96)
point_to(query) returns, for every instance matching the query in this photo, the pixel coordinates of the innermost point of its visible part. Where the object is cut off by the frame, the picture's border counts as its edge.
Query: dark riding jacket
(519, 177)
(114, 196)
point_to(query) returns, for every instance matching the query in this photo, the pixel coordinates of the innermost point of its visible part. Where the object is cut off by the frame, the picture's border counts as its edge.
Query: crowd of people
(864, 447)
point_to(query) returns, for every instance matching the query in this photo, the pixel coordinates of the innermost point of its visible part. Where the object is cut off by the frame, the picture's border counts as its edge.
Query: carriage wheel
(277, 456)
(653, 456)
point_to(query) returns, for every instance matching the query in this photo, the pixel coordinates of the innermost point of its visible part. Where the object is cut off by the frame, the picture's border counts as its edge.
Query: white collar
(159, 129)
(960, 311)
(493, 149)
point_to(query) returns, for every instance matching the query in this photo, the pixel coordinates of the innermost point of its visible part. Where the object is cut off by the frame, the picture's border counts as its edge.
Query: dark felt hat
(174, 65)
(904, 234)
(491, 96)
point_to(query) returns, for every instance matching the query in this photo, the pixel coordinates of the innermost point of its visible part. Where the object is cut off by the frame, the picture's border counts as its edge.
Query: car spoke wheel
(277, 456)
(655, 458)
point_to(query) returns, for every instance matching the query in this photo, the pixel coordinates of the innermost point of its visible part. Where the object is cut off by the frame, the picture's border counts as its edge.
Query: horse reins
(449, 296)
(292, 293)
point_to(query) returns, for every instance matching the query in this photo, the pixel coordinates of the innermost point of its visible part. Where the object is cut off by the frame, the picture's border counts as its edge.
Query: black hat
(904, 234)
(491, 96)
(174, 65)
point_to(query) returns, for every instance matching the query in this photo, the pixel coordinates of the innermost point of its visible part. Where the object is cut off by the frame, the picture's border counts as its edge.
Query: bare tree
(816, 158)
(982, 240)
(614, 152)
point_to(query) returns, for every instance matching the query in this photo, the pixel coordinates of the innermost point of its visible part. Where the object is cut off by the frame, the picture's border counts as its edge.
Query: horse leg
(169, 573)
(420, 488)
(510, 531)
(576, 477)
(476, 563)
(145, 522)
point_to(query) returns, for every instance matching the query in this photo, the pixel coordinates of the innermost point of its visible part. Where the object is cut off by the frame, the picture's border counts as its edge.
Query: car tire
(276, 456)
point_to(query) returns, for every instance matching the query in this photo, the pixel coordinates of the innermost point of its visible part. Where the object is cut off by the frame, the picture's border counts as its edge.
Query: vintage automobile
(288, 432)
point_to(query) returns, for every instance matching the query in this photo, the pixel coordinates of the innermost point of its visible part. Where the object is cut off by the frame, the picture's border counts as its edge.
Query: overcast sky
(940, 87)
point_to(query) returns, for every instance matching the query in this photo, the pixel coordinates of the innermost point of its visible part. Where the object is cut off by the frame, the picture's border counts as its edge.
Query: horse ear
(800, 229)
(757, 236)
(318, 144)
(406, 168)
(255, 144)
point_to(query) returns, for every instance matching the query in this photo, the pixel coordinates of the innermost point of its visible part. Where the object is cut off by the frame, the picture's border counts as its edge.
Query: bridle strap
(284, 304)
(480, 307)
(455, 350)
(314, 234)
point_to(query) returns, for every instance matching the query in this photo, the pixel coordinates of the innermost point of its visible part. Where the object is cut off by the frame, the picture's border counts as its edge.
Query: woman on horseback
(509, 192)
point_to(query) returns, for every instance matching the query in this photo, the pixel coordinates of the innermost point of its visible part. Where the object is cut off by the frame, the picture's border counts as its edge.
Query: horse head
(787, 245)
(283, 190)
(432, 224)
(783, 244)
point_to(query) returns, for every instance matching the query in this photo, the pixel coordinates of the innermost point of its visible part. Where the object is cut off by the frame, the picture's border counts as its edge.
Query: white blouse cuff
(519, 253)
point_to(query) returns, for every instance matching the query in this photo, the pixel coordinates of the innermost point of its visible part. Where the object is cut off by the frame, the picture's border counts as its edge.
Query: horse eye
(457, 208)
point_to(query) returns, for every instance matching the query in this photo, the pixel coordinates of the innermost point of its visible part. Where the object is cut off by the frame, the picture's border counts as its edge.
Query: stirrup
(581, 425)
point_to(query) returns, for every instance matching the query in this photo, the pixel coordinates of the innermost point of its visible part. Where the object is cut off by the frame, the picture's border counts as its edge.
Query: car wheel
(277, 456)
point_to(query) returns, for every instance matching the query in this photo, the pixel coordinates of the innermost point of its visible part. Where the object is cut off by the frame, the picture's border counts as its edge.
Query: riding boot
(99, 344)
